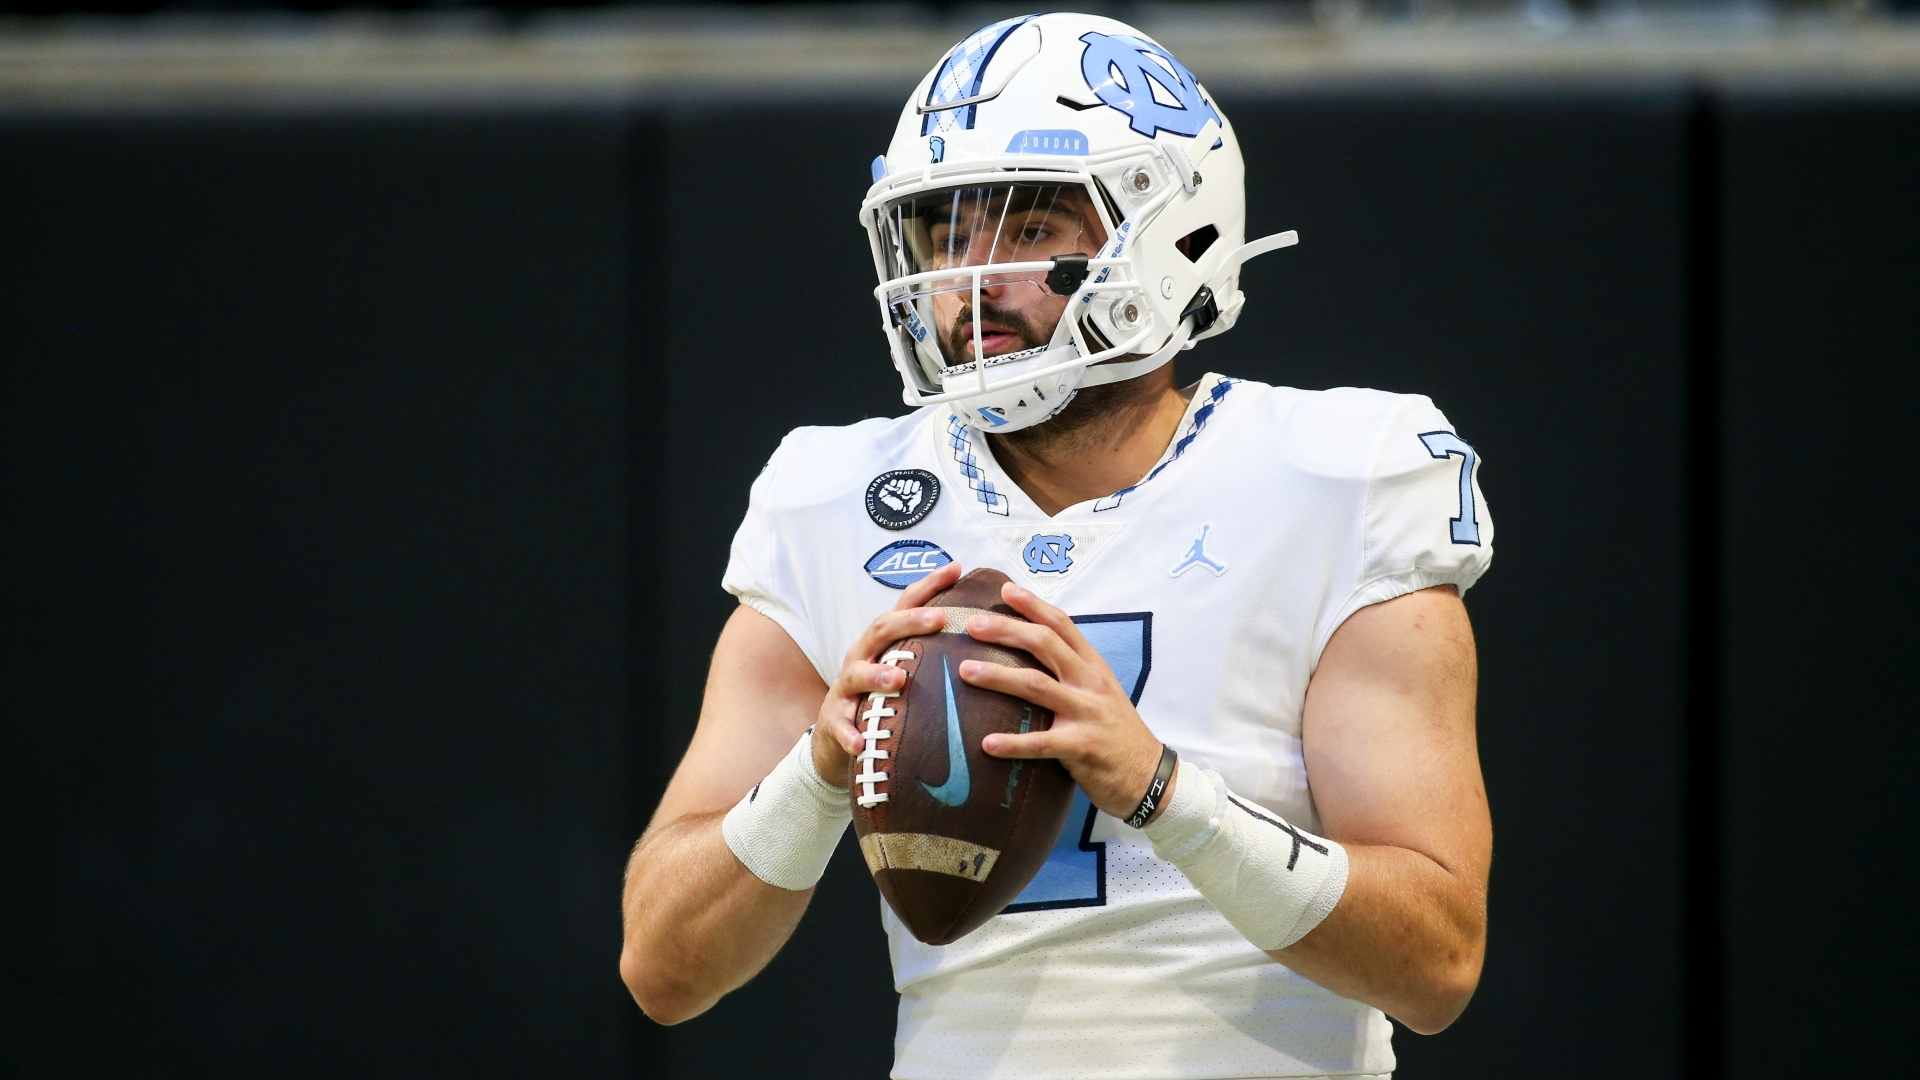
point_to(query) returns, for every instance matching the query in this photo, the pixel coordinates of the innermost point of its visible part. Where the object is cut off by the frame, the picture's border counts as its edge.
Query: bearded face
(1003, 224)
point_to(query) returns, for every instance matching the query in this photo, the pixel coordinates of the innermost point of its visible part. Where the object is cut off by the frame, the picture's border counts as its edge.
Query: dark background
(367, 478)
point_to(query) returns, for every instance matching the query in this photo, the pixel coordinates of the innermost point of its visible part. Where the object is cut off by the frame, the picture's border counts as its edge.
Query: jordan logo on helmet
(1133, 75)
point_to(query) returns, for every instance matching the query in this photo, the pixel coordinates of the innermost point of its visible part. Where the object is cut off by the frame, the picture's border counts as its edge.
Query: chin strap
(1121, 370)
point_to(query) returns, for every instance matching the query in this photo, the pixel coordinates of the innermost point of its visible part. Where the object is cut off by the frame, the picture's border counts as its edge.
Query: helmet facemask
(1025, 271)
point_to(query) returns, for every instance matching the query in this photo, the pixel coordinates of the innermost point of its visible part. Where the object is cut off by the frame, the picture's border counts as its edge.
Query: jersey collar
(1207, 398)
(964, 454)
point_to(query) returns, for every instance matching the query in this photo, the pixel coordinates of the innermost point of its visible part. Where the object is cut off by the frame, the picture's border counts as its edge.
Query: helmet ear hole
(1095, 339)
(1195, 244)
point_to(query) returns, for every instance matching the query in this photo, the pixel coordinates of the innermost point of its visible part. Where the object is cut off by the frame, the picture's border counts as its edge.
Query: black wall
(1519, 258)
(771, 325)
(368, 479)
(314, 674)
(1819, 383)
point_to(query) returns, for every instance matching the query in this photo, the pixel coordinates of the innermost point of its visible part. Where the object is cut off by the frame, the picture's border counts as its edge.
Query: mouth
(994, 340)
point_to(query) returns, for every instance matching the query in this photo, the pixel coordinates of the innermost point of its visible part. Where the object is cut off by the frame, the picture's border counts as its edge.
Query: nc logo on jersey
(1144, 81)
(1047, 553)
(902, 498)
(904, 562)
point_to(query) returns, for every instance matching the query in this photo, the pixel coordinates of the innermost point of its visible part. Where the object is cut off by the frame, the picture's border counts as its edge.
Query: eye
(947, 245)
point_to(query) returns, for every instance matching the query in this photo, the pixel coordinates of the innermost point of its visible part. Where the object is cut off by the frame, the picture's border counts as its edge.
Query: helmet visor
(955, 239)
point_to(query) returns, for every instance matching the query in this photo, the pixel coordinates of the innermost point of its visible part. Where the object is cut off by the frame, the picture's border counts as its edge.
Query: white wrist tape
(786, 828)
(1274, 882)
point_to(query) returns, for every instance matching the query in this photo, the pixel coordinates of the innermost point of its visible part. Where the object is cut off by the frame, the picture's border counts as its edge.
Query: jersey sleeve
(760, 566)
(1425, 522)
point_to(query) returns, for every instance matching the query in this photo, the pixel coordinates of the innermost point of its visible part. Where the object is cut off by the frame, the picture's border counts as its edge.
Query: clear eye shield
(989, 271)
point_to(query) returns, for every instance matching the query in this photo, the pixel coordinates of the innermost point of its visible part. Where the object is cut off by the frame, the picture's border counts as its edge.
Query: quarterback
(1244, 597)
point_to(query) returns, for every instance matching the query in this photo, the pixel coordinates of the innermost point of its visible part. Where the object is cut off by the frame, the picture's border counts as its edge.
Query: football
(951, 833)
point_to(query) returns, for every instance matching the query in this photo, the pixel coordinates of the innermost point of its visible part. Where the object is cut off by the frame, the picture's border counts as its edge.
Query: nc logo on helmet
(1123, 71)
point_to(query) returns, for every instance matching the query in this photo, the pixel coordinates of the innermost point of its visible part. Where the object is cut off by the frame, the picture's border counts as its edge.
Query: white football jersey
(1211, 587)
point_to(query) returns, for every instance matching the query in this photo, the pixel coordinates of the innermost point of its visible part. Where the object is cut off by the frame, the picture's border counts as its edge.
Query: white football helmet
(1054, 166)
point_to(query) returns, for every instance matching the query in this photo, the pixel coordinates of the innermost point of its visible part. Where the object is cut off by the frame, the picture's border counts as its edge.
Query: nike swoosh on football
(954, 790)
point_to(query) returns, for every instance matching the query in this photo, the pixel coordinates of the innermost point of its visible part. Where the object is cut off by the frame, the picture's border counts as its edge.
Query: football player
(1247, 600)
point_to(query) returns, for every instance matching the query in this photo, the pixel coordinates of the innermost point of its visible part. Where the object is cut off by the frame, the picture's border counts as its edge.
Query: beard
(1005, 318)
(1095, 415)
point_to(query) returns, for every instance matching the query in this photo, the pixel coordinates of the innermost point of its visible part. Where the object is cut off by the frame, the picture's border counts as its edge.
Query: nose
(992, 286)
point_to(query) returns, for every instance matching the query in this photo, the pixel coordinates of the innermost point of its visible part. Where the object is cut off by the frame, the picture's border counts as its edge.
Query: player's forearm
(698, 924)
(1407, 937)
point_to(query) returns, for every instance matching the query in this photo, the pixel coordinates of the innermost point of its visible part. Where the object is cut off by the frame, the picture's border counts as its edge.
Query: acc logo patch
(902, 498)
(1123, 71)
(904, 562)
(1047, 553)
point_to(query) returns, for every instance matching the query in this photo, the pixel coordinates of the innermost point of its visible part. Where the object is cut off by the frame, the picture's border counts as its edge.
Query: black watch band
(1161, 778)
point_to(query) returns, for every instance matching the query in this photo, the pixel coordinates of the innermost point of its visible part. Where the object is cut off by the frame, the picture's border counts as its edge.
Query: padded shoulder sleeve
(760, 568)
(1425, 522)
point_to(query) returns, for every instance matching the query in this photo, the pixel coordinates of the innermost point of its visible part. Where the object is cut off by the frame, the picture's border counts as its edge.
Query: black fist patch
(902, 498)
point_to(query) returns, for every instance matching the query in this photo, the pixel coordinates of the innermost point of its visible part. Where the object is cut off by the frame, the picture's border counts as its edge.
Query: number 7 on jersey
(1075, 874)
(1441, 444)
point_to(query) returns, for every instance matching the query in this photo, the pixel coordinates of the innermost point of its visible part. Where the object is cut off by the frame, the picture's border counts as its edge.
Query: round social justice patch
(902, 498)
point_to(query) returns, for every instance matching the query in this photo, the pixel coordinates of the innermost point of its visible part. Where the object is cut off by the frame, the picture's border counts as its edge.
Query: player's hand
(1097, 734)
(836, 736)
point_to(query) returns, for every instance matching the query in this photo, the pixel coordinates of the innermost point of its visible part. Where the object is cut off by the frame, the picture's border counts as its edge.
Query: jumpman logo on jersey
(1197, 556)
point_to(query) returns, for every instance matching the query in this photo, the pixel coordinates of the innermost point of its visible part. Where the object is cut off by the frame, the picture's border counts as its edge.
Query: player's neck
(1106, 440)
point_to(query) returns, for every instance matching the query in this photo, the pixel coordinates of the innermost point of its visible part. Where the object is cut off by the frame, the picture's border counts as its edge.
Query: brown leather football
(951, 833)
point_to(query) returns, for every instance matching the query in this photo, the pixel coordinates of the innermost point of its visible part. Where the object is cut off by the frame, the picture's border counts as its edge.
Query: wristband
(786, 828)
(1273, 880)
(1151, 801)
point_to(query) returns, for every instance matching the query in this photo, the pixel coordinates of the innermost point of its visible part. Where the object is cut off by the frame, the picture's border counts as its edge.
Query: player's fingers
(893, 625)
(1027, 684)
(836, 719)
(839, 726)
(1028, 603)
(1034, 744)
(852, 688)
(1042, 641)
(921, 591)
(865, 677)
